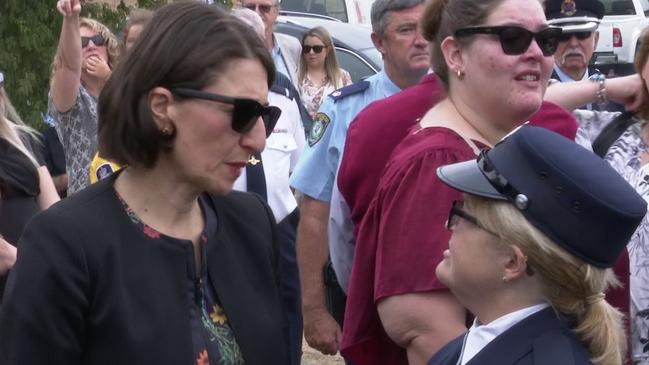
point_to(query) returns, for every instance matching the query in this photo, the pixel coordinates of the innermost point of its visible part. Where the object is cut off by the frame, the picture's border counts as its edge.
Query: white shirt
(479, 336)
(283, 149)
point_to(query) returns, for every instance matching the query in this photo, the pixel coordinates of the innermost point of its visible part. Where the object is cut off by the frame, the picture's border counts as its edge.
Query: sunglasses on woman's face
(263, 8)
(316, 49)
(96, 39)
(516, 40)
(457, 212)
(245, 112)
(564, 37)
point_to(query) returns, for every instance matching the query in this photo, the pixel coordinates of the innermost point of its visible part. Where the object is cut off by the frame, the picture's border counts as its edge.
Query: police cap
(568, 193)
(574, 15)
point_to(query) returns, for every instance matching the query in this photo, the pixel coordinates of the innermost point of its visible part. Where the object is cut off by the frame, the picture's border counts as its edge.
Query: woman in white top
(531, 250)
(319, 73)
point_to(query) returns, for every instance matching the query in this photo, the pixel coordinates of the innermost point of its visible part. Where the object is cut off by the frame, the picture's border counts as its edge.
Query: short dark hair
(443, 17)
(187, 44)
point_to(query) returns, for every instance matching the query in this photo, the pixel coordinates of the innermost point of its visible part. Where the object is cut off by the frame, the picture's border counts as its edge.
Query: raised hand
(68, 7)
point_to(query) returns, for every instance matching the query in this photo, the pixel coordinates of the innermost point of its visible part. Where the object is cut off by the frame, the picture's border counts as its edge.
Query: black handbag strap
(612, 132)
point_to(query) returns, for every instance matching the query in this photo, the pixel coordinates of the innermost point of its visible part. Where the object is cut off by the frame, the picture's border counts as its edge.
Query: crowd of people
(228, 191)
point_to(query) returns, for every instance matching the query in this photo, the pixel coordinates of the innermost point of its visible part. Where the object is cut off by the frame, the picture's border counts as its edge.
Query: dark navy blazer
(540, 339)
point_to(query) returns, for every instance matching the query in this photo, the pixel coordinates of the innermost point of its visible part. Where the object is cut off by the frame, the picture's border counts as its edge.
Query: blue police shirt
(315, 172)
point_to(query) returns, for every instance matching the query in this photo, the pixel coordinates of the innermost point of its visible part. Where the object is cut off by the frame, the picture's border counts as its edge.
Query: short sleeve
(413, 206)
(314, 173)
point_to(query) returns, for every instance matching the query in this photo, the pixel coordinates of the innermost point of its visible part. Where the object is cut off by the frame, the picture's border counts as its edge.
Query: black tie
(255, 176)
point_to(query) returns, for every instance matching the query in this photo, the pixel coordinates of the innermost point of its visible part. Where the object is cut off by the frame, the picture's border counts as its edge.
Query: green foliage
(29, 33)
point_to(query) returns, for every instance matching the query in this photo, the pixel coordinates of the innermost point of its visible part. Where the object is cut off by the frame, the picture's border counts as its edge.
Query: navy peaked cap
(568, 193)
(574, 15)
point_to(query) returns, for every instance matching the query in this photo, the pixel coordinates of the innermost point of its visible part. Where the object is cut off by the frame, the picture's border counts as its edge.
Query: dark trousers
(290, 285)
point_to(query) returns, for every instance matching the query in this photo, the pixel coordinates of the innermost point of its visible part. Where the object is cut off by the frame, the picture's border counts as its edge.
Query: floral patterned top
(625, 156)
(313, 94)
(212, 337)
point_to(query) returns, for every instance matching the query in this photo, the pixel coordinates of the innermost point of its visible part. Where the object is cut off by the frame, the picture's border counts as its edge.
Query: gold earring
(460, 74)
(165, 131)
(505, 280)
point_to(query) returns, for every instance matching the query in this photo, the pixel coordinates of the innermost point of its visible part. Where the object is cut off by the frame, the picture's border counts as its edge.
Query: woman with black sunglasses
(319, 74)
(531, 251)
(86, 53)
(494, 59)
(161, 263)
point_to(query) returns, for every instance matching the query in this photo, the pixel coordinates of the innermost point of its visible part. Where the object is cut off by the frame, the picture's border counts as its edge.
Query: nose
(255, 139)
(573, 41)
(419, 39)
(534, 50)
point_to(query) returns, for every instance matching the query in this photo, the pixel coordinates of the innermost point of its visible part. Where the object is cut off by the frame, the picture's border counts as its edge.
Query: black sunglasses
(245, 112)
(564, 37)
(263, 8)
(97, 39)
(516, 40)
(316, 49)
(457, 212)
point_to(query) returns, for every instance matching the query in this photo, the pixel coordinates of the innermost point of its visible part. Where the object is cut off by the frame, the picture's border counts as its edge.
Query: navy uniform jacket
(540, 339)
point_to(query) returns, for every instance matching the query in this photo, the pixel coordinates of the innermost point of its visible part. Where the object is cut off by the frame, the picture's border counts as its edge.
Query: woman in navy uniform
(531, 251)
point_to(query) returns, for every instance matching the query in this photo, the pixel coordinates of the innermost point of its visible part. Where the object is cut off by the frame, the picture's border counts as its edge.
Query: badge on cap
(568, 7)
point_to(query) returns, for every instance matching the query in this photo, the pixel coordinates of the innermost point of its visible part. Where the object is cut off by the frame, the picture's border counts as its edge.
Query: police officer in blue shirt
(395, 25)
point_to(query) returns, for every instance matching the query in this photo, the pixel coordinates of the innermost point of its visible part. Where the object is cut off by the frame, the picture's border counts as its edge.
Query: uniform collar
(479, 336)
(389, 88)
(564, 77)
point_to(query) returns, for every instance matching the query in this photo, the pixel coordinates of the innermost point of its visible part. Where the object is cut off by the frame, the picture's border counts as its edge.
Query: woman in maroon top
(494, 59)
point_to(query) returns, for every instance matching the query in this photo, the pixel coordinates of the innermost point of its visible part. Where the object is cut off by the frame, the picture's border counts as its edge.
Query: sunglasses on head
(245, 112)
(97, 39)
(564, 37)
(263, 8)
(516, 40)
(316, 49)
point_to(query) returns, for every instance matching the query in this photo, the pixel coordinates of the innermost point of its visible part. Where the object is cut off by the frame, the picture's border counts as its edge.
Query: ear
(453, 55)
(163, 108)
(596, 40)
(378, 43)
(516, 266)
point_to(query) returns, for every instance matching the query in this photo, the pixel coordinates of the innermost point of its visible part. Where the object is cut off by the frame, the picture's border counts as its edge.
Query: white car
(347, 11)
(619, 31)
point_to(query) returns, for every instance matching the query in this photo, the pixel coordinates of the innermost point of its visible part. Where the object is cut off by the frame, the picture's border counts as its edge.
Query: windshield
(333, 8)
(619, 7)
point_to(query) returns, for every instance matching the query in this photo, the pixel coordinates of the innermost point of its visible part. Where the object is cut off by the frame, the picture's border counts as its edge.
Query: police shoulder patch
(349, 90)
(320, 124)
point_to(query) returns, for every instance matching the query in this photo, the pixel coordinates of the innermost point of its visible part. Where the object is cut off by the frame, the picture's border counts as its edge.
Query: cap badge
(568, 7)
(521, 201)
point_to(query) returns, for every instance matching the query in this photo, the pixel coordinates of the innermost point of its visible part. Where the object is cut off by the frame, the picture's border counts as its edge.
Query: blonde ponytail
(572, 287)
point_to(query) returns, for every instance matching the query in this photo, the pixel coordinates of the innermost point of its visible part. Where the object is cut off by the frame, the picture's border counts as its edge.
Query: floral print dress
(212, 337)
(625, 156)
(313, 94)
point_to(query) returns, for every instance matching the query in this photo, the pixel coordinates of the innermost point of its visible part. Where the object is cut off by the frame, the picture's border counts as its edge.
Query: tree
(29, 33)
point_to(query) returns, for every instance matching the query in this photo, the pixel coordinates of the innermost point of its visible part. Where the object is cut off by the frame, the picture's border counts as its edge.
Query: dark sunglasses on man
(516, 40)
(263, 8)
(316, 49)
(564, 37)
(96, 39)
(245, 112)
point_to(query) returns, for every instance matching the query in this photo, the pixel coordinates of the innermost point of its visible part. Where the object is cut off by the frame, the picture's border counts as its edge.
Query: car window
(619, 7)
(357, 67)
(645, 6)
(333, 8)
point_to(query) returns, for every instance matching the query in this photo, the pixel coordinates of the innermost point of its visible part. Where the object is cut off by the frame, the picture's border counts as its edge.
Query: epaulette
(283, 85)
(352, 89)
